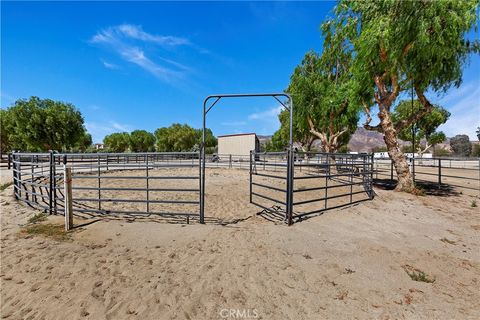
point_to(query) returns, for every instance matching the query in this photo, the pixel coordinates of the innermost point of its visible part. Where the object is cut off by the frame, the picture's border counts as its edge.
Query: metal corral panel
(238, 144)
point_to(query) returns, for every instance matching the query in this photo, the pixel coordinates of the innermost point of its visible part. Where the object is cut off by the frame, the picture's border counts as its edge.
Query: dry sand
(345, 264)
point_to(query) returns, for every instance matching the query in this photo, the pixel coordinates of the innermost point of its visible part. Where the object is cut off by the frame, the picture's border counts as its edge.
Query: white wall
(236, 145)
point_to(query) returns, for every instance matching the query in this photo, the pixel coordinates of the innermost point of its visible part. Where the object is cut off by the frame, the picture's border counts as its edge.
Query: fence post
(15, 178)
(68, 197)
(50, 198)
(148, 184)
(99, 185)
(391, 170)
(9, 160)
(439, 173)
(230, 161)
(251, 153)
(371, 176)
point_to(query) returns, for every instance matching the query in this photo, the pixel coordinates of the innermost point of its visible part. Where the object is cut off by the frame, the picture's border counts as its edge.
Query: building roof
(237, 134)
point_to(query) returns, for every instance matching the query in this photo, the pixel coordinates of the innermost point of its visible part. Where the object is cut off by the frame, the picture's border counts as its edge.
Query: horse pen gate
(320, 182)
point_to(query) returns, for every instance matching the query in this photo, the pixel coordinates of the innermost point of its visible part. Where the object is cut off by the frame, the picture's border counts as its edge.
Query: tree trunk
(404, 177)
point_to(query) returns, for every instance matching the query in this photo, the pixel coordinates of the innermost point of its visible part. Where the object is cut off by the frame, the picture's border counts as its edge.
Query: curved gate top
(288, 106)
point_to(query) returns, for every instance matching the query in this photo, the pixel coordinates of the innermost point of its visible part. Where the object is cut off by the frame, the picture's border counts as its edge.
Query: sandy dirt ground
(345, 264)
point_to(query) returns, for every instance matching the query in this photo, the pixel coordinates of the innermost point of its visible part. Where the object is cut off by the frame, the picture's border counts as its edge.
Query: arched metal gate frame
(288, 106)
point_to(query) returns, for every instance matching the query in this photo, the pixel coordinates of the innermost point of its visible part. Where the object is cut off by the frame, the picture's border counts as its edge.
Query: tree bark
(404, 177)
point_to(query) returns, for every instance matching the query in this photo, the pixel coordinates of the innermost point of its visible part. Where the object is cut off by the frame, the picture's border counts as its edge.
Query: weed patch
(53, 231)
(39, 217)
(5, 185)
(417, 275)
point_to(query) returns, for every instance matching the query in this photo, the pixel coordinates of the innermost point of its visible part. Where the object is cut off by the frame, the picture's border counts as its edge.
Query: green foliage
(117, 142)
(84, 143)
(478, 133)
(141, 141)
(424, 41)
(6, 131)
(461, 145)
(440, 152)
(476, 150)
(425, 128)
(178, 137)
(40, 125)
(324, 107)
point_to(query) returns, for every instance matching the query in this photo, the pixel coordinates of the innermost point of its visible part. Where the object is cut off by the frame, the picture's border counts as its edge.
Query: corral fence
(320, 182)
(168, 184)
(462, 174)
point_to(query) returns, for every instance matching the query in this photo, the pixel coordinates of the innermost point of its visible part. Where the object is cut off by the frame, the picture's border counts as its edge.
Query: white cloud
(109, 65)
(465, 114)
(99, 130)
(126, 40)
(268, 115)
(136, 32)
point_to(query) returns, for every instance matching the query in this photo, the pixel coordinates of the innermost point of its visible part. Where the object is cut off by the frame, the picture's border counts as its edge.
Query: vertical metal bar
(54, 185)
(50, 198)
(351, 179)
(67, 180)
(148, 184)
(413, 167)
(99, 185)
(230, 161)
(371, 176)
(202, 164)
(327, 175)
(9, 160)
(34, 197)
(15, 177)
(391, 170)
(251, 153)
(439, 173)
(200, 180)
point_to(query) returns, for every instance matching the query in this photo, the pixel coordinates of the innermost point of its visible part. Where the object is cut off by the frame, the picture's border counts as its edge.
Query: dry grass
(39, 217)
(54, 231)
(5, 186)
(447, 241)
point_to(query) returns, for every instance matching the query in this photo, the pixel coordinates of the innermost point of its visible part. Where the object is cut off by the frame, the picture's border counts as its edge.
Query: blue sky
(146, 65)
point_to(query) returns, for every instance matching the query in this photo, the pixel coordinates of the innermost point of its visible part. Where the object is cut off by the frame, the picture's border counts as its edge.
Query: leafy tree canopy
(141, 141)
(461, 145)
(40, 125)
(182, 137)
(425, 128)
(117, 142)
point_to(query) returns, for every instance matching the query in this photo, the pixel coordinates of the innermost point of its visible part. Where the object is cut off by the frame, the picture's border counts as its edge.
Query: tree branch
(427, 108)
(367, 125)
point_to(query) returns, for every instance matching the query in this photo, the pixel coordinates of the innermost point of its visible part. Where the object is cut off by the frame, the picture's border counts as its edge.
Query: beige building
(238, 144)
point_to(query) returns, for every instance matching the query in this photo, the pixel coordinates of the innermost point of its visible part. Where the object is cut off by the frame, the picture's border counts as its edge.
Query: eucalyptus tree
(399, 46)
(425, 129)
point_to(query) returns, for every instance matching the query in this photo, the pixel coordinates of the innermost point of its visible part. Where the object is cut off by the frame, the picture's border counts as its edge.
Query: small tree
(461, 145)
(425, 128)
(400, 45)
(478, 133)
(117, 142)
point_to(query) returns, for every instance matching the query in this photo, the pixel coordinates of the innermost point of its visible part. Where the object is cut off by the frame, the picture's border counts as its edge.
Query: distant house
(238, 144)
(99, 146)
